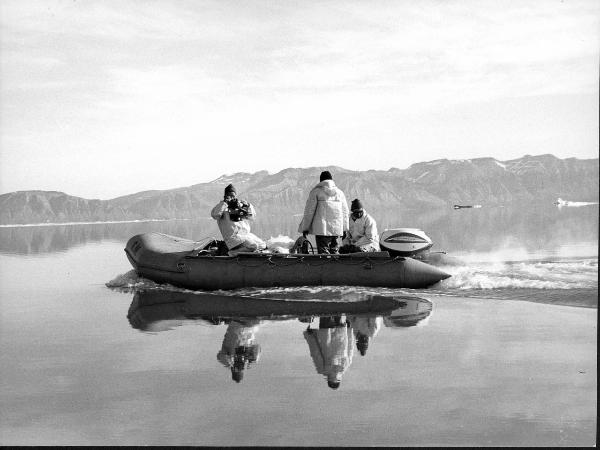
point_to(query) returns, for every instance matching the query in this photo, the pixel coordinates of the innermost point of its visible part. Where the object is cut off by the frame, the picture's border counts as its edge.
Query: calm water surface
(502, 353)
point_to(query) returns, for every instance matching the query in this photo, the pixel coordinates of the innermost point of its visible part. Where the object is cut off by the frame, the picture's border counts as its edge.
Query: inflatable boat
(197, 265)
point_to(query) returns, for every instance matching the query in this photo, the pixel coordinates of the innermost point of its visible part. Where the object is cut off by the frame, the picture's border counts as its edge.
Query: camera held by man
(238, 209)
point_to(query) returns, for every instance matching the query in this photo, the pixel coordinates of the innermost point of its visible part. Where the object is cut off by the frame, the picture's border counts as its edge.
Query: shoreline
(54, 224)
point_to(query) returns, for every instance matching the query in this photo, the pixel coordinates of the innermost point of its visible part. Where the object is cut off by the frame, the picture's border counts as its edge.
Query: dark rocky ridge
(434, 184)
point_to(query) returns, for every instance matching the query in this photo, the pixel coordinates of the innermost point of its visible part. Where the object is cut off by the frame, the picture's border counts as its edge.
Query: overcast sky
(106, 98)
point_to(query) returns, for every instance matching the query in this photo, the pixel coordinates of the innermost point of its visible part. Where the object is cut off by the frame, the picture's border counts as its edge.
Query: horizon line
(298, 168)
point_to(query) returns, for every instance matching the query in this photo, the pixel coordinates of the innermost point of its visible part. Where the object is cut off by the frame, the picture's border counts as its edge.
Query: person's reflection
(239, 348)
(365, 329)
(331, 348)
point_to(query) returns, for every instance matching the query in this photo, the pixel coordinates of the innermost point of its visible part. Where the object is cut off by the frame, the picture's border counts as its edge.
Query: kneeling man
(362, 235)
(233, 216)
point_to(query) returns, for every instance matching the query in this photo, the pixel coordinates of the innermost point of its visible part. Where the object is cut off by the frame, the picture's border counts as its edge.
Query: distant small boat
(560, 203)
(466, 206)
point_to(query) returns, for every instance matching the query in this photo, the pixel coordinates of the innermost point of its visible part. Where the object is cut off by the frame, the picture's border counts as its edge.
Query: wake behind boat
(190, 264)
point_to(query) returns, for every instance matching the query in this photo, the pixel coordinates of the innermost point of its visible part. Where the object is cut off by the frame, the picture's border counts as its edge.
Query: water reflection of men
(365, 329)
(331, 348)
(239, 348)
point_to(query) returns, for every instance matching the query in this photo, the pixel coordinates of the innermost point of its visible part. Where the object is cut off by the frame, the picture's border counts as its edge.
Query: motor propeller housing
(405, 242)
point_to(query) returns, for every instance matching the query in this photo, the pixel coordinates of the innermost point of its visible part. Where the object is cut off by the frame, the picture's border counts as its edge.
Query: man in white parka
(232, 216)
(325, 214)
(362, 234)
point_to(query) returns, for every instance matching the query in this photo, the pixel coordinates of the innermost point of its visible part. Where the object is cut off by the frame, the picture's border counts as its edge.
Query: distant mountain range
(434, 184)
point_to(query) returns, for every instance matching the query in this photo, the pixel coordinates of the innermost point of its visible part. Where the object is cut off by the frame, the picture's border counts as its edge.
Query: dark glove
(305, 233)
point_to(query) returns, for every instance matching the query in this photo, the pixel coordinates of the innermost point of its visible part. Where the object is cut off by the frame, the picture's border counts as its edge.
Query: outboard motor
(410, 242)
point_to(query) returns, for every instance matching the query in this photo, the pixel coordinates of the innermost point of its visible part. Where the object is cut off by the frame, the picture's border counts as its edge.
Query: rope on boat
(366, 260)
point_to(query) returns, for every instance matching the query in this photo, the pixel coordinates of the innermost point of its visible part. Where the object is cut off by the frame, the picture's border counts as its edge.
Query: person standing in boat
(362, 235)
(325, 214)
(233, 216)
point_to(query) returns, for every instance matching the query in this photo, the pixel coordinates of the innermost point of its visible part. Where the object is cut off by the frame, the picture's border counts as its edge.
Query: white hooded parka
(234, 233)
(326, 211)
(363, 232)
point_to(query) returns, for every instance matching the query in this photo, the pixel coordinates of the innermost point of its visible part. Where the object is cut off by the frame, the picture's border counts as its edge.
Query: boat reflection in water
(334, 327)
